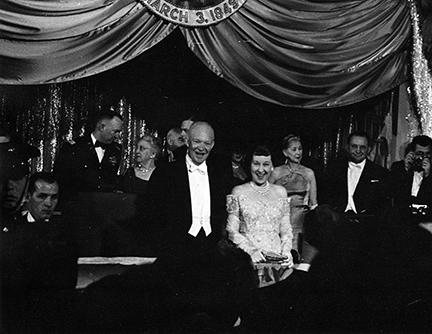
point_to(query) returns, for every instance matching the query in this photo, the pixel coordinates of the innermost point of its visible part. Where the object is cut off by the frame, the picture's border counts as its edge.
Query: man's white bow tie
(354, 165)
(200, 169)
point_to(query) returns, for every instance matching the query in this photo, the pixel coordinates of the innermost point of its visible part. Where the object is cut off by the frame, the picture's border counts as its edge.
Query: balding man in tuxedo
(191, 194)
(355, 184)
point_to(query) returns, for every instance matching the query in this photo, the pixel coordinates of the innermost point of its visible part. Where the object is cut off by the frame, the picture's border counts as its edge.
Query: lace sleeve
(285, 231)
(233, 226)
(232, 205)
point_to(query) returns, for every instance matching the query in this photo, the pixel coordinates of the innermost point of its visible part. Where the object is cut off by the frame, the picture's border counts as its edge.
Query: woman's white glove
(258, 256)
(289, 260)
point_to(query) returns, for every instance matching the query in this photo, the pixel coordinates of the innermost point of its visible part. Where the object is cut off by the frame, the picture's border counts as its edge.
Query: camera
(417, 164)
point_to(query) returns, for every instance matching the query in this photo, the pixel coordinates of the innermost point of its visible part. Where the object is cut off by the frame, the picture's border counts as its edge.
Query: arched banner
(194, 13)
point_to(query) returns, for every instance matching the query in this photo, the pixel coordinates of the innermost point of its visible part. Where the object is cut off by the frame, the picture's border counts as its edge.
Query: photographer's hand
(426, 166)
(408, 160)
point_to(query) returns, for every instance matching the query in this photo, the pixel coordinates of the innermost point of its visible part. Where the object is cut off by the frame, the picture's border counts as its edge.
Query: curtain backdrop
(301, 53)
(59, 40)
(312, 54)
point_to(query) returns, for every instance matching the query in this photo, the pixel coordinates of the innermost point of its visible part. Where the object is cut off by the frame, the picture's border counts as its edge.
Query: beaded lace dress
(258, 221)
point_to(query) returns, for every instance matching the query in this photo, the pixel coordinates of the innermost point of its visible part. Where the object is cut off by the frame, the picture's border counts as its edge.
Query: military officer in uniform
(91, 163)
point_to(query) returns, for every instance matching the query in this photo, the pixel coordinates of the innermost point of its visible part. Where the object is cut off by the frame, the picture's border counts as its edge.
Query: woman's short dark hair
(261, 150)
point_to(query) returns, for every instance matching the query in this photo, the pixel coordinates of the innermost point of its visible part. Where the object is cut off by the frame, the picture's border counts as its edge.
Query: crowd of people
(359, 261)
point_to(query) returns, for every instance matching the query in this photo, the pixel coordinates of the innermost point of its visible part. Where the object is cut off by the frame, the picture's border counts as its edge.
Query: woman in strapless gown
(300, 184)
(259, 214)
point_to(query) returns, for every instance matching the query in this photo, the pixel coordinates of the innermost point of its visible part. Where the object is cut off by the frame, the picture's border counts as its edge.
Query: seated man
(355, 184)
(37, 254)
(410, 179)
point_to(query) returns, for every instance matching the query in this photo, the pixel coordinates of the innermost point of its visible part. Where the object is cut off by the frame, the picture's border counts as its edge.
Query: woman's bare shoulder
(279, 190)
(278, 172)
(307, 171)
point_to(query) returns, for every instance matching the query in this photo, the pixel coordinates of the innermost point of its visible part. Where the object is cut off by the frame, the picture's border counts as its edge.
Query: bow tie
(101, 145)
(200, 169)
(354, 165)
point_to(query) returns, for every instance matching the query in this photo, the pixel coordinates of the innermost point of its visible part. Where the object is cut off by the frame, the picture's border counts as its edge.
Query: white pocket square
(374, 181)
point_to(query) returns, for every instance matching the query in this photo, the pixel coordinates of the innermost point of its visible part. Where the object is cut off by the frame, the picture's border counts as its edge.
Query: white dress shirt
(29, 216)
(200, 197)
(417, 181)
(353, 176)
(99, 150)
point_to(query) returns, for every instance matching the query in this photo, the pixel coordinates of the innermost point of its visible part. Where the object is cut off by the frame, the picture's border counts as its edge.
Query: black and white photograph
(215, 166)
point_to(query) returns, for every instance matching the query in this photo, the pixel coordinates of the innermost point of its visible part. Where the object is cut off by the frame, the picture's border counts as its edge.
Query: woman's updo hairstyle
(287, 140)
(154, 143)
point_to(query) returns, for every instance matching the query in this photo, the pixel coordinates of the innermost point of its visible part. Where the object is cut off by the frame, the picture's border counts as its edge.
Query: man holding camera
(410, 179)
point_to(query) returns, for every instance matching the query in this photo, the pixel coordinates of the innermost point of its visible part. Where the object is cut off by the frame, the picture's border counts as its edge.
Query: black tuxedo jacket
(79, 170)
(401, 183)
(172, 211)
(370, 194)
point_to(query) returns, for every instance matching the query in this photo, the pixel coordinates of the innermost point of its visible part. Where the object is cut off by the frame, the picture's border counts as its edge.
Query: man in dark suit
(190, 195)
(410, 179)
(175, 144)
(37, 257)
(91, 163)
(355, 184)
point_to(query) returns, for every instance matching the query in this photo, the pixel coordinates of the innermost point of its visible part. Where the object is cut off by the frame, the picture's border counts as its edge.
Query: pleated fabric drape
(311, 54)
(298, 53)
(59, 40)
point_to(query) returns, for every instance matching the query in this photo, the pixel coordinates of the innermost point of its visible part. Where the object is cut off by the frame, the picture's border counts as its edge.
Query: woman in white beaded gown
(259, 214)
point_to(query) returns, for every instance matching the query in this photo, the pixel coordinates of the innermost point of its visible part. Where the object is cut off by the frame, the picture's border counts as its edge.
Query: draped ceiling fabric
(300, 53)
(311, 54)
(59, 40)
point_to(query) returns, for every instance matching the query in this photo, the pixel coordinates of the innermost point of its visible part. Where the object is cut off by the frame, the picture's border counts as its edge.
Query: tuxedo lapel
(364, 179)
(343, 181)
(344, 176)
(91, 151)
(183, 190)
(213, 188)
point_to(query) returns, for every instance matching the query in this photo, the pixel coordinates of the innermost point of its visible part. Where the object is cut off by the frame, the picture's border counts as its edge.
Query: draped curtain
(302, 53)
(311, 54)
(60, 40)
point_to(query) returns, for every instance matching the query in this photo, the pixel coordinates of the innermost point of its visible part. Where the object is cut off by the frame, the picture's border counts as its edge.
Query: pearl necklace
(143, 169)
(262, 190)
